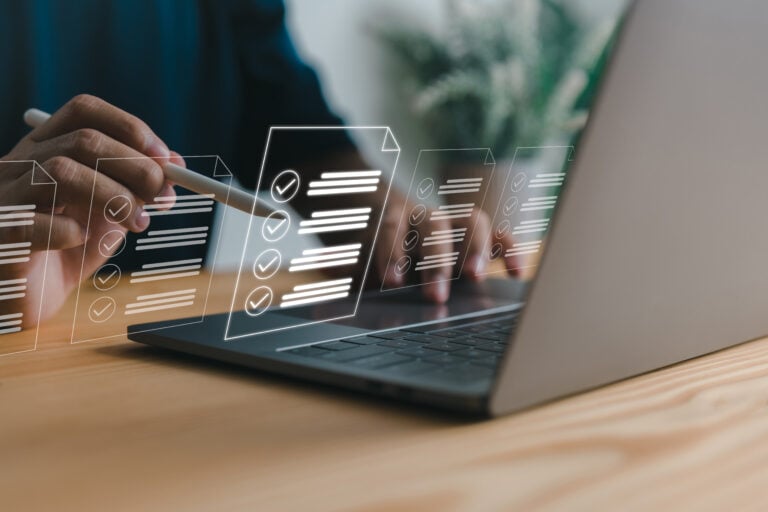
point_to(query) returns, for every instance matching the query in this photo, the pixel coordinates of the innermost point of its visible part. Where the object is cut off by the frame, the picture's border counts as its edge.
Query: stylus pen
(191, 180)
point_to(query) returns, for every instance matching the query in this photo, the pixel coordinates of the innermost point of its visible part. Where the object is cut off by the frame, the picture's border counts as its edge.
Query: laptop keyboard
(463, 351)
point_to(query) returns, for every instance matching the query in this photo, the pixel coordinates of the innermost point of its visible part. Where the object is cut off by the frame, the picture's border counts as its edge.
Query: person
(158, 79)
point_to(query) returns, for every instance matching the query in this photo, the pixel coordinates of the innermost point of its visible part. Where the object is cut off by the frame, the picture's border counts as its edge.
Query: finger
(17, 241)
(512, 262)
(112, 202)
(478, 248)
(389, 252)
(85, 111)
(436, 276)
(142, 175)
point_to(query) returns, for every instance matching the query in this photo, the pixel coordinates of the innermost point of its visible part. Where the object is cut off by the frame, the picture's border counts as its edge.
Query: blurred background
(452, 73)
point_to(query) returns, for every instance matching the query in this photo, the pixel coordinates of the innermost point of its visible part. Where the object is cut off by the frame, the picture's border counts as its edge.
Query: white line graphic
(166, 294)
(349, 174)
(335, 248)
(338, 191)
(164, 246)
(12, 208)
(15, 246)
(177, 231)
(172, 263)
(160, 301)
(161, 278)
(176, 212)
(157, 308)
(336, 213)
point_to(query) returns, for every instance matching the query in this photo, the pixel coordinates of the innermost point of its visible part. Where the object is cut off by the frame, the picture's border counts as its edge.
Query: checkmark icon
(511, 206)
(266, 264)
(496, 251)
(276, 226)
(106, 277)
(403, 265)
(258, 301)
(425, 188)
(118, 209)
(503, 229)
(115, 212)
(255, 305)
(411, 240)
(284, 189)
(285, 186)
(112, 243)
(418, 214)
(518, 182)
(102, 309)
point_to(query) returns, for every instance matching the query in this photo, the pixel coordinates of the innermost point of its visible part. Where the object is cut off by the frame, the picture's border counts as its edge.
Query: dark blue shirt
(209, 76)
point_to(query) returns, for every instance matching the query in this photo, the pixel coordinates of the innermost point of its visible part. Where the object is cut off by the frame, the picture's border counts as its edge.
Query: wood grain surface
(116, 426)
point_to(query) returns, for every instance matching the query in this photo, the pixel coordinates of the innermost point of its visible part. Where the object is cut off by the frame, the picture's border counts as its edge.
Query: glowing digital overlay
(343, 210)
(25, 233)
(168, 282)
(448, 185)
(523, 203)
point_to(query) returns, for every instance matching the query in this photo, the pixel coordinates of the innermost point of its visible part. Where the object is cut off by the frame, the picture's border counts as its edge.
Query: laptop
(656, 254)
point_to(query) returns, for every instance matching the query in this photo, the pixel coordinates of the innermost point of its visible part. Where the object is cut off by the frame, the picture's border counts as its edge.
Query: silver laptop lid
(658, 252)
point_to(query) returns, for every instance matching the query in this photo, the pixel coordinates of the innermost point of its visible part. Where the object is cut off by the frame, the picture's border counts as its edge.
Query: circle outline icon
(270, 254)
(110, 216)
(260, 309)
(420, 208)
(431, 185)
(91, 311)
(123, 243)
(521, 178)
(268, 234)
(106, 287)
(275, 187)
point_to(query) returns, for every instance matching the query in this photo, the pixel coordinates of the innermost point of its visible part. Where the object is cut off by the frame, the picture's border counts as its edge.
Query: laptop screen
(423, 160)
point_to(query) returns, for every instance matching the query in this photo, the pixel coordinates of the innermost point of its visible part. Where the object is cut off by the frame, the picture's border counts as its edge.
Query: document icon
(342, 208)
(25, 232)
(452, 184)
(155, 275)
(523, 203)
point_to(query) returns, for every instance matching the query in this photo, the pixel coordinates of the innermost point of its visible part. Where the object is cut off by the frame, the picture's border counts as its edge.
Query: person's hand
(67, 147)
(437, 282)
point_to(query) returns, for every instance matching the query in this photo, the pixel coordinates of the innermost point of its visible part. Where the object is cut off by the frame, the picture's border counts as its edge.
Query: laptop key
(355, 353)
(469, 341)
(449, 334)
(446, 359)
(400, 344)
(337, 345)
(424, 338)
(389, 335)
(444, 347)
(363, 340)
(471, 353)
(492, 347)
(417, 352)
(381, 360)
(489, 336)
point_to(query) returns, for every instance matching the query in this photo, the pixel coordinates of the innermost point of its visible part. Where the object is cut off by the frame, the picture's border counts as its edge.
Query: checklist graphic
(342, 213)
(25, 232)
(525, 203)
(166, 282)
(441, 225)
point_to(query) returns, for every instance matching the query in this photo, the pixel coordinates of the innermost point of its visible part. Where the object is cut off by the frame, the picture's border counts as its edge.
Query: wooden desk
(118, 426)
